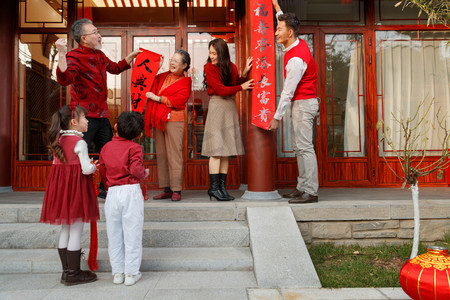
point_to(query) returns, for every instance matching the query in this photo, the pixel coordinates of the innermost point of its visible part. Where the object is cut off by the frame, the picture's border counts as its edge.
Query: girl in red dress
(70, 198)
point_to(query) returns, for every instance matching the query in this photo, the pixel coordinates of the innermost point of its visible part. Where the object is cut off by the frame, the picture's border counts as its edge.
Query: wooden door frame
(196, 170)
(369, 108)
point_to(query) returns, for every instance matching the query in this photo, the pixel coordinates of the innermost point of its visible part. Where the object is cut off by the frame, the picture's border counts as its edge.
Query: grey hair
(186, 58)
(77, 28)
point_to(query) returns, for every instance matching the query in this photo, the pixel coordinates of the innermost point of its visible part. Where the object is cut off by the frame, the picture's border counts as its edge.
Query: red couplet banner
(263, 52)
(145, 69)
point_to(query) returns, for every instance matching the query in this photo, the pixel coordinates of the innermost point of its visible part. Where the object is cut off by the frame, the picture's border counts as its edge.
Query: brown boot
(63, 257)
(75, 275)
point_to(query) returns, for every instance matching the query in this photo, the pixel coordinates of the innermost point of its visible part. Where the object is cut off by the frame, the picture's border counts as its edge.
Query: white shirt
(295, 68)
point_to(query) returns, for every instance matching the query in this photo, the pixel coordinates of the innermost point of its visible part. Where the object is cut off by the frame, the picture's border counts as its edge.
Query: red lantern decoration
(427, 276)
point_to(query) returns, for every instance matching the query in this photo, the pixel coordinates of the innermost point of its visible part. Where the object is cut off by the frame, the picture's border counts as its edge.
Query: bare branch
(411, 153)
(438, 11)
(395, 173)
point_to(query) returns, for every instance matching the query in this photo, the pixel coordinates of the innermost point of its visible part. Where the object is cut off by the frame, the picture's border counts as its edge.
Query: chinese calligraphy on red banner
(263, 52)
(144, 71)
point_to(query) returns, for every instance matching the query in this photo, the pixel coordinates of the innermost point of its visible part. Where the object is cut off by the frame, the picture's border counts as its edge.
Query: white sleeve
(279, 14)
(81, 150)
(295, 69)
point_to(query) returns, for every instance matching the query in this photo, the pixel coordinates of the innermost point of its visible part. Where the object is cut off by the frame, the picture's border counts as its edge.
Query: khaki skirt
(222, 135)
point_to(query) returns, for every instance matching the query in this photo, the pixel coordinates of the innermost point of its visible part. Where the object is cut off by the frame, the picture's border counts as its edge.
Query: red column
(261, 159)
(7, 23)
(261, 144)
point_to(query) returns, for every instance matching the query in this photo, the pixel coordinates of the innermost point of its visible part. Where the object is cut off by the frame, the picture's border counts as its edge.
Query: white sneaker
(132, 279)
(118, 278)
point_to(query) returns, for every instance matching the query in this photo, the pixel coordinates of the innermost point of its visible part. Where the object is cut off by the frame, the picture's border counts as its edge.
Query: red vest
(306, 88)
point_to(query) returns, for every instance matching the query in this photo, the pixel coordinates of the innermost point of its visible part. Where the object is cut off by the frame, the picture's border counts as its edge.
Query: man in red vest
(299, 90)
(85, 69)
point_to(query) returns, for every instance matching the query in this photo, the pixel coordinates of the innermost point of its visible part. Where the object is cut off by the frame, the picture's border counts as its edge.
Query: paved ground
(232, 285)
(176, 286)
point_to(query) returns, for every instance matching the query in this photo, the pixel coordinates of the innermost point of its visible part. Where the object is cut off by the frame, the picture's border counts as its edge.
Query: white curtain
(413, 71)
(355, 125)
(285, 144)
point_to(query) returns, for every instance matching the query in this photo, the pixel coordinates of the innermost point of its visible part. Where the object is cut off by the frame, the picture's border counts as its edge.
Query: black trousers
(99, 132)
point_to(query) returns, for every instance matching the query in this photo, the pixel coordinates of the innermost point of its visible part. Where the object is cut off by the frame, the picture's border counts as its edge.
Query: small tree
(411, 153)
(438, 11)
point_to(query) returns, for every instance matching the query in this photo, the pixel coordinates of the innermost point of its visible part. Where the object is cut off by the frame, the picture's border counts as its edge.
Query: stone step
(153, 259)
(155, 234)
(154, 211)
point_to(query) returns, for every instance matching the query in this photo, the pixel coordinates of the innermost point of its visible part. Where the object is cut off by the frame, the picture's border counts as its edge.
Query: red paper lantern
(427, 276)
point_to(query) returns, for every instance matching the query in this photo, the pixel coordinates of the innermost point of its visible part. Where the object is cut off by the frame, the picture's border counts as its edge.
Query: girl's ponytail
(61, 121)
(53, 136)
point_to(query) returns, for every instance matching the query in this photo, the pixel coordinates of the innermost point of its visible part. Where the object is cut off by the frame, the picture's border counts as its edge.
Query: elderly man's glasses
(94, 33)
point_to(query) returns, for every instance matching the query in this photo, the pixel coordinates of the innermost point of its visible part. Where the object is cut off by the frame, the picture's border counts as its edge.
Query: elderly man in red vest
(300, 72)
(85, 69)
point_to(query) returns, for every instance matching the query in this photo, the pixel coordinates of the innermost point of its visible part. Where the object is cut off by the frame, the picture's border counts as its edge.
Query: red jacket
(121, 162)
(86, 71)
(306, 88)
(215, 82)
(177, 93)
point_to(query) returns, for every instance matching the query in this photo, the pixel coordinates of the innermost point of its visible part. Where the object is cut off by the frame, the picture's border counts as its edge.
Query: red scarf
(178, 94)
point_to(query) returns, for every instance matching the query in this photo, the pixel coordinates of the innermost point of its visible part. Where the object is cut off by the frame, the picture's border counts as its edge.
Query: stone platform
(365, 216)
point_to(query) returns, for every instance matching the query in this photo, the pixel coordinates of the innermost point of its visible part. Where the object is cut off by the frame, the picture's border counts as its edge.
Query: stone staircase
(232, 245)
(177, 237)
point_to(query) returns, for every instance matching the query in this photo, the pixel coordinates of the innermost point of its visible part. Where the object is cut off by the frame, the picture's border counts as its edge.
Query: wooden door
(165, 42)
(345, 156)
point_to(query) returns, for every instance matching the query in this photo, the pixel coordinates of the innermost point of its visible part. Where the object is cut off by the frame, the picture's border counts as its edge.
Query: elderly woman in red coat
(165, 113)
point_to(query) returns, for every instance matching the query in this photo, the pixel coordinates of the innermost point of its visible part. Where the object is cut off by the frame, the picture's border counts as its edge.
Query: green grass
(355, 266)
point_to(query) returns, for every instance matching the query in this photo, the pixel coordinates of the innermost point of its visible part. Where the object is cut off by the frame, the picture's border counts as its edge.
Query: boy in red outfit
(121, 169)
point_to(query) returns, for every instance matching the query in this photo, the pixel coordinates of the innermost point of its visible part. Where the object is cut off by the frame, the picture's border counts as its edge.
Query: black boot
(214, 189)
(222, 184)
(75, 275)
(63, 257)
(101, 191)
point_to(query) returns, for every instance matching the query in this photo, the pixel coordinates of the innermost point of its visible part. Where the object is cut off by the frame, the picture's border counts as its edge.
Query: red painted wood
(196, 175)
(32, 175)
(7, 23)
(260, 149)
(286, 174)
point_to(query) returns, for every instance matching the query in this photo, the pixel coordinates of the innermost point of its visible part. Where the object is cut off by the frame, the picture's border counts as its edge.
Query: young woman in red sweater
(222, 137)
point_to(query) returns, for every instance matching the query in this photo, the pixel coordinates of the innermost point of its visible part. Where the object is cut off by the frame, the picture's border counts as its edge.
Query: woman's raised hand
(248, 85)
(161, 62)
(248, 66)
